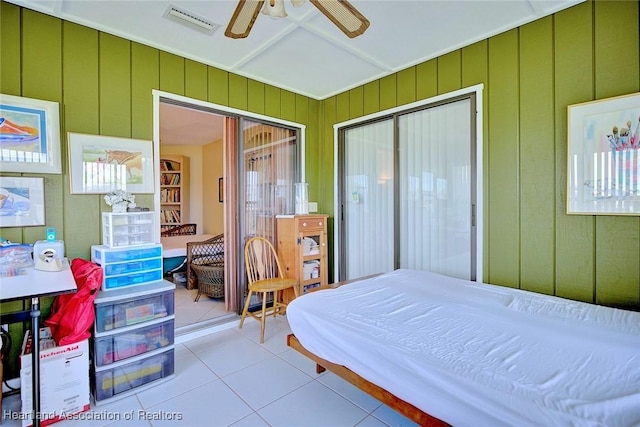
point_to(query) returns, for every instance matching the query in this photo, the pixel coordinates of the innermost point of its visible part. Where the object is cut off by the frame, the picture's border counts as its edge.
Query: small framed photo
(29, 135)
(101, 164)
(604, 157)
(221, 190)
(21, 202)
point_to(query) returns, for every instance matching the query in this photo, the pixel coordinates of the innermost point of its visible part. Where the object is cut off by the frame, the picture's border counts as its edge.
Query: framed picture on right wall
(603, 157)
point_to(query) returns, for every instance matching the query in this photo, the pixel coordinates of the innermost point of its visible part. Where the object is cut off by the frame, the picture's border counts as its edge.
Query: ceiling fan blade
(243, 18)
(344, 15)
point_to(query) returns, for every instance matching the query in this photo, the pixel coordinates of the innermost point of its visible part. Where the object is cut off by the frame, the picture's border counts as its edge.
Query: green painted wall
(530, 75)
(104, 85)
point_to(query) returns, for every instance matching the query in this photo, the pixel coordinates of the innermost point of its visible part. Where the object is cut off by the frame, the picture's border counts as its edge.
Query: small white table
(35, 284)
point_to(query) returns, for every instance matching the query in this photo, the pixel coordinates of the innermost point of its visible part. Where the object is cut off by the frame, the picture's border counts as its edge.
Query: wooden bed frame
(405, 408)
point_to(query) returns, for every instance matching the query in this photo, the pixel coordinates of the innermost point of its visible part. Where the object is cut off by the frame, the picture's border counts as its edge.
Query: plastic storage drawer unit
(132, 374)
(129, 343)
(135, 308)
(128, 228)
(128, 266)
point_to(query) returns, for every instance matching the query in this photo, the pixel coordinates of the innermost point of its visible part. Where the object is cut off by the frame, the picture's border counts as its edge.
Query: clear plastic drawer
(113, 348)
(121, 378)
(126, 312)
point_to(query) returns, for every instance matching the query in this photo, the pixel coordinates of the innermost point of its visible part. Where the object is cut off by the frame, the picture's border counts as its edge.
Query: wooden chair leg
(246, 308)
(263, 317)
(276, 307)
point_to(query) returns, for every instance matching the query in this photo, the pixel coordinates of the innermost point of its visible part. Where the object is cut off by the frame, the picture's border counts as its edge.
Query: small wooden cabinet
(174, 191)
(301, 242)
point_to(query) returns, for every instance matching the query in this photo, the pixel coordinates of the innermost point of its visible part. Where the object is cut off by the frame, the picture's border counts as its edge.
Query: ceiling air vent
(190, 19)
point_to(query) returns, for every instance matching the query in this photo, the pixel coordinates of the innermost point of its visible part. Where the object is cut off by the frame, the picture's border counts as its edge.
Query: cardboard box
(64, 383)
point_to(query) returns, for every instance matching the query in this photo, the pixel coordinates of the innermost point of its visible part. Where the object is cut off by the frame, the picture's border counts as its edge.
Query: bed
(448, 351)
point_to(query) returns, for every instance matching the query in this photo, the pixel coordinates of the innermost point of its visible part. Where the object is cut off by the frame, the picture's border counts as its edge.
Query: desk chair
(264, 273)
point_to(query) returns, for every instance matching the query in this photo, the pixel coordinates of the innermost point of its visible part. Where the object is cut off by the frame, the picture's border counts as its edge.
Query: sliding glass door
(407, 192)
(268, 168)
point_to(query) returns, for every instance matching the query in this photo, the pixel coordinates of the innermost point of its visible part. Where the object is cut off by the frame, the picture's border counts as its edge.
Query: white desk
(36, 284)
(176, 246)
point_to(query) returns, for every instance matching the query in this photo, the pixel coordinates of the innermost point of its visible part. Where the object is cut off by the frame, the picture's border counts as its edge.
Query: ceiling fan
(340, 12)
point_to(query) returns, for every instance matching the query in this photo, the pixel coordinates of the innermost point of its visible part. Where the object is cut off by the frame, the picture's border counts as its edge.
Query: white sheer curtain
(270, 171)
(435, 190)
(368, 201)
(430, 229)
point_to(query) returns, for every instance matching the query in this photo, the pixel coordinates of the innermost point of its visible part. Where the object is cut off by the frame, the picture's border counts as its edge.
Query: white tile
(274, 328)
(266, 381)
(301, 362)
(182, 351)
(349, 391)
(215, 340)
(312, 405)
(371, 421)
(231, 357)
(213, 404)
(120, 411)
(190, 373)
(252, 420)
(391, 417)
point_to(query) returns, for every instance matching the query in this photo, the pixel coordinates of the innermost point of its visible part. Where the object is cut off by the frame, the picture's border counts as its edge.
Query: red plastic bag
(72, 315)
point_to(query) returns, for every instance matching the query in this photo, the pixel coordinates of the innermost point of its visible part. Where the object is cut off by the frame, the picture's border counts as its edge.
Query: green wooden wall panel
(502, 176)
(115, 86)
(617, 266)
(617, 239)
(314, 170)
(80, 79)
(41, 50)
(616, 55)
(218, 86)
(256, 96)
(342, 109)
(388, 92)
(427, 79)
(371, 97)
(10, 49)
(238, 91)
(287, 105)
(195, 80)
(407, 86)
(574, 233)
(171, 73)
(145, 77)
(272, 101)
(81, 49)
(474, 64)
(537, 156)
(449, 72)
(356, 102)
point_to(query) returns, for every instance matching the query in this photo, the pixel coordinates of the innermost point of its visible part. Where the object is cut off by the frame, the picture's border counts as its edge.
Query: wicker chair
(180, 230)
(205, 266)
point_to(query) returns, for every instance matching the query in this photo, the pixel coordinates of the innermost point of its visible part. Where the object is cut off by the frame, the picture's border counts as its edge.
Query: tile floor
(227, 378)
(189, 312)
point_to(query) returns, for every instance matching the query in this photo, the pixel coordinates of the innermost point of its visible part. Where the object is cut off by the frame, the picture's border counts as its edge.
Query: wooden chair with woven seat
(264, 273)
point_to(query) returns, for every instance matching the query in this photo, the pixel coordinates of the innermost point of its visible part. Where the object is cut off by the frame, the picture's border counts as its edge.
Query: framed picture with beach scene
(101, 164)
(21, 201)
(29, 135)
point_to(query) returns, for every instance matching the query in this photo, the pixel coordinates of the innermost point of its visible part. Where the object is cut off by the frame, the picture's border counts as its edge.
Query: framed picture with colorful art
(603, 158)
(100, 164)
(21, 201)
(29, 135)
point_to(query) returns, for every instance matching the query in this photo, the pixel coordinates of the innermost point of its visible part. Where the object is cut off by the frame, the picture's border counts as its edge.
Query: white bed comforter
(479, 355)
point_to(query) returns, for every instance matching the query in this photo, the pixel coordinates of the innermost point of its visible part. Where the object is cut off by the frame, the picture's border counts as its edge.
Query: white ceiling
(304, 52)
